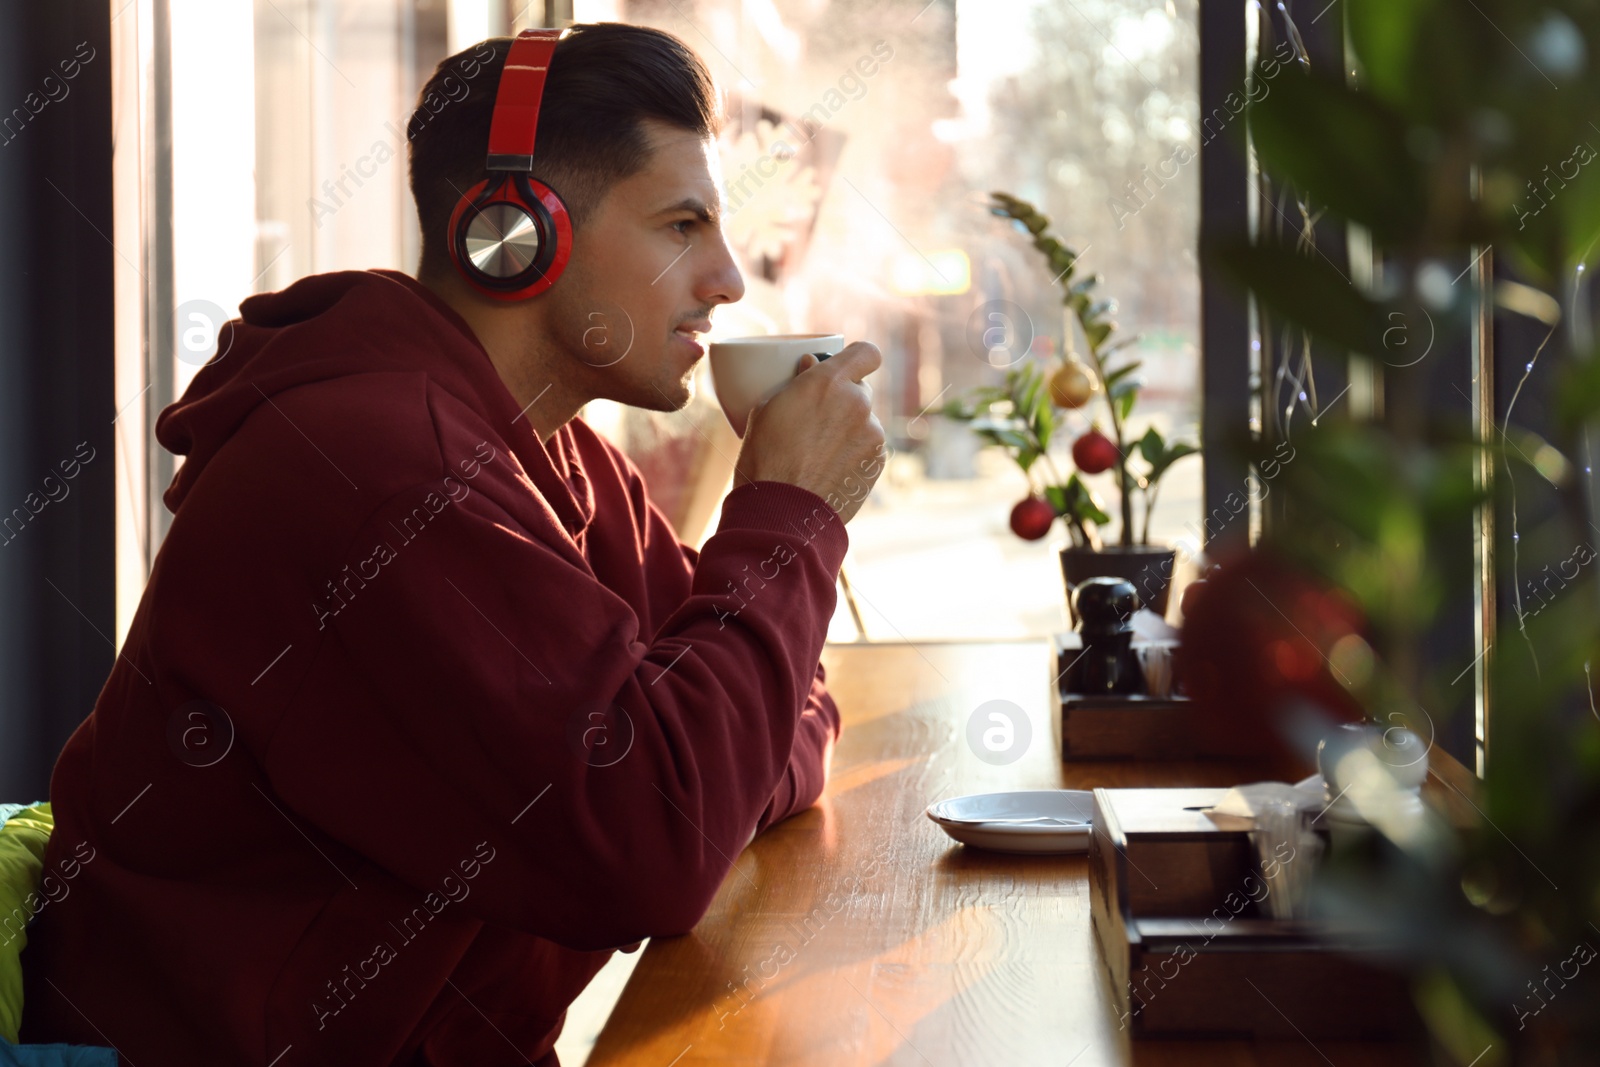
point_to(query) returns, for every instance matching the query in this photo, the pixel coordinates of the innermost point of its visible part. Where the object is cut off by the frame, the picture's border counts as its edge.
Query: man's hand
(819, 431)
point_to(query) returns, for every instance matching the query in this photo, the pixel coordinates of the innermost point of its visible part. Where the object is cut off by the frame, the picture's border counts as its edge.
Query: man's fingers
(857, 360)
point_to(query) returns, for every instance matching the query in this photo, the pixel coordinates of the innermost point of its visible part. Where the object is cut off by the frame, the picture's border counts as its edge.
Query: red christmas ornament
(1094, 452)
(1031, 518)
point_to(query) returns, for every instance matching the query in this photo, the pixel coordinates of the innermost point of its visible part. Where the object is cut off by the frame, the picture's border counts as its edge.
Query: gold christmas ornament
(1072, 385)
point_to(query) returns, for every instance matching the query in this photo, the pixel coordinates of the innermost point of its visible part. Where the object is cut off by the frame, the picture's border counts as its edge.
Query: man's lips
(689, 330)
(687, 336)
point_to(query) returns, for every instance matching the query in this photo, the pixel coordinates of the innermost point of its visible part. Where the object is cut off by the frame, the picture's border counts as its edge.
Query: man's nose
(720, 281)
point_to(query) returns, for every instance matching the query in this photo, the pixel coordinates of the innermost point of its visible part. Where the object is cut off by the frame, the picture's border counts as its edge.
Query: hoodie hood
(330, 326)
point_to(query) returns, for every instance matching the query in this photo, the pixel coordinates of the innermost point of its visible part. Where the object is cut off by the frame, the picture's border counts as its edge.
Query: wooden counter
(858, 933)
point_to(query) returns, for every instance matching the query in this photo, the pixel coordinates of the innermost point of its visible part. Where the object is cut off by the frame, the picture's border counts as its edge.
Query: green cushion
(23, 836)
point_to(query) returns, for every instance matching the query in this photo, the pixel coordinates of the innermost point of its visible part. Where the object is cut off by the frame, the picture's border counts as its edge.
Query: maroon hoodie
(419, 719)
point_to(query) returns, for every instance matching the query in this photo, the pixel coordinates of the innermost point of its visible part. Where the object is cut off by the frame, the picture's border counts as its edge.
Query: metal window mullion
(160, 368)
(1484, 601)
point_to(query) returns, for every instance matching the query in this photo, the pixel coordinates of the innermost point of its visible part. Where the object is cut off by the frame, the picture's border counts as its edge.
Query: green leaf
(1012, 438)
(1577, 399)
(1028, 407)
(975, 404)
(1124, 387)
(1096, 333)
(1081, 503)
(1385, 35)
(1306, 289)
(1168, 458)
(1057, 496)
(1552, 239)
(1122, 372)
(1345, 148)
(1026, 456)
(1044, 424)
(1152, 447)
(1127, 401)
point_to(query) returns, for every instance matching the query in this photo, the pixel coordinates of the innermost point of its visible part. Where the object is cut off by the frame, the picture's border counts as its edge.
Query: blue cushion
(55, 1055)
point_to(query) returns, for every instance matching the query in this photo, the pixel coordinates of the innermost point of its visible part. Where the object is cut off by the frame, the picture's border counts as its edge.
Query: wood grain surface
(858, 933)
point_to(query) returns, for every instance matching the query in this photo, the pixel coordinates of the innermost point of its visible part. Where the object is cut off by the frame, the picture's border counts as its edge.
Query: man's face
(646, 270)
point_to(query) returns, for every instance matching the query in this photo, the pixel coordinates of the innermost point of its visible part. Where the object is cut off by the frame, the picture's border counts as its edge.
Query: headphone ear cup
(502, 240)
(510, 237)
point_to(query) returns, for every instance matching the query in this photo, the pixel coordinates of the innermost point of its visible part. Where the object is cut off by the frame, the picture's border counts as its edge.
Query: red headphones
(510, 235)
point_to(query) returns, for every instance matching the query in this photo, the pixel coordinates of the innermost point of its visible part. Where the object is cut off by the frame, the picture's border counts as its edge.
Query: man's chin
(674, 394)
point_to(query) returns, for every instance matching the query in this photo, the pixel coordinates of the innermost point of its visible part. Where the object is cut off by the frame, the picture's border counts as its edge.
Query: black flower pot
(1149, 569)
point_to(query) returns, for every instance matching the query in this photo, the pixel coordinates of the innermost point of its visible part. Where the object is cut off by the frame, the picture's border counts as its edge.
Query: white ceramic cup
(1397, 751)
(748, 371)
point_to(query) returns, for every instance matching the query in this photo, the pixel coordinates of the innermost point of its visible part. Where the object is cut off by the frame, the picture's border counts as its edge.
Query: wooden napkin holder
(1178, 909)
(1127, 727)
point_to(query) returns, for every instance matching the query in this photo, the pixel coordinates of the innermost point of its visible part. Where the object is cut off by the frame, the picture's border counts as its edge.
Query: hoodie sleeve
(670, 565)
(807, 773)
(483, 690)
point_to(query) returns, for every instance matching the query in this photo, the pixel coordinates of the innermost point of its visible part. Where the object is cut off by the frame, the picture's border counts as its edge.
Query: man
(425, 709)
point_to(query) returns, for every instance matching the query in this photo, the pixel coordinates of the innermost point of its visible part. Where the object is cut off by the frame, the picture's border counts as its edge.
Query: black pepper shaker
(1106, 664)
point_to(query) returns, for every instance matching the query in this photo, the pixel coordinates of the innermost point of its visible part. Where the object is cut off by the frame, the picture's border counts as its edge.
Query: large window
(280, 126)
(879, 230)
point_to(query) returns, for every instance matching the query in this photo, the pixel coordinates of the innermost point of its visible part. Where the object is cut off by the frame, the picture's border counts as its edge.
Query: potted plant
(1023, 415)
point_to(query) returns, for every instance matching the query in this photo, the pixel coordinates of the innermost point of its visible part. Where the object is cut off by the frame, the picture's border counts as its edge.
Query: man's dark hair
(604, 79)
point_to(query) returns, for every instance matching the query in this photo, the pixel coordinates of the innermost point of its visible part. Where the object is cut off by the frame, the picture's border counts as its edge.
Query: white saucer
(974, 820)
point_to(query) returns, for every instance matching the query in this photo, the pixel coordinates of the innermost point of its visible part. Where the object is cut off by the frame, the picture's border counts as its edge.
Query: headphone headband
(516, 105)
(510, 234)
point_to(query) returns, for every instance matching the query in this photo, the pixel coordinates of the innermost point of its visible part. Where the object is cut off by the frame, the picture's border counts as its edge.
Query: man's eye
(683, 222)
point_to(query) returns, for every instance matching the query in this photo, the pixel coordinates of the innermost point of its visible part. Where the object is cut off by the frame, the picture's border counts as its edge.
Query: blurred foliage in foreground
(1462, 127)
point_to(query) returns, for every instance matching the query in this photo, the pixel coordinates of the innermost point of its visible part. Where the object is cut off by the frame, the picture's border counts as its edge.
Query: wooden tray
(1189, 950)
(1128, 727)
